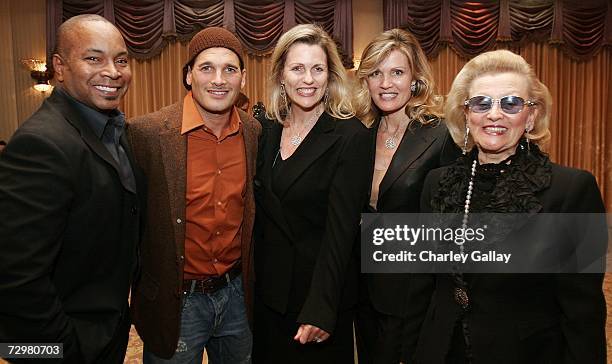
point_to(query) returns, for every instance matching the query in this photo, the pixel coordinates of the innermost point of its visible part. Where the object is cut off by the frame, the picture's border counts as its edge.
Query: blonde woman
(396, 98)
(498, 111)
(312, 181)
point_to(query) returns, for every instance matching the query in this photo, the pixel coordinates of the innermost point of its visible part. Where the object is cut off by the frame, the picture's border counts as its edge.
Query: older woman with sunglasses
(498, 112)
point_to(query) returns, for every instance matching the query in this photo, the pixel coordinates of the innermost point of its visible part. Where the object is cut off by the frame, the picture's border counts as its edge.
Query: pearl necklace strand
(468, 199)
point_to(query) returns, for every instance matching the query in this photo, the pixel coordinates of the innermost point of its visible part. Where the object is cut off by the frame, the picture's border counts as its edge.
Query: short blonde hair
(339, 103)
(420, 107)
(493, 62)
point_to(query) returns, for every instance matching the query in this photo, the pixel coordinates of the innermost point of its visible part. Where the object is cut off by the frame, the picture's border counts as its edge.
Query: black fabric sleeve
(580, 296)
(35, 195)
(347, 196)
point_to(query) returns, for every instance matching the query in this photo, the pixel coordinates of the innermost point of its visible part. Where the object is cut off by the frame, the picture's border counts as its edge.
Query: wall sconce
(40, 73)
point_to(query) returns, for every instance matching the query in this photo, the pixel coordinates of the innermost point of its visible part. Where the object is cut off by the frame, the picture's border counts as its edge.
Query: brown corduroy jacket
(161, 151)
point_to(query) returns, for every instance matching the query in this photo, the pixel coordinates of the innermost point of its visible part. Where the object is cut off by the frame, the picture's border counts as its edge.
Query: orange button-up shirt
(216, 185)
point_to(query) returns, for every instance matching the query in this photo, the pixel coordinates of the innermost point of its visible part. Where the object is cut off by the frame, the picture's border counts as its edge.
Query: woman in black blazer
(396, 99)
(498, 106)
(311, 183)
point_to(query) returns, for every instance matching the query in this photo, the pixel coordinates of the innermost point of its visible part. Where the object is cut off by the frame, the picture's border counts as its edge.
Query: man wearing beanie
(199, 156)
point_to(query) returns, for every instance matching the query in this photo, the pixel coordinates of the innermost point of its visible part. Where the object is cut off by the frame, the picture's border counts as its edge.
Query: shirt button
(219, 203)
(179, 221)
(218, 171)
(215, 260)
(218, 233)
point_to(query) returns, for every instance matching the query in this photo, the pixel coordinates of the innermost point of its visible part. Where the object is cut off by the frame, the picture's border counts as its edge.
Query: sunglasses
(508, 104)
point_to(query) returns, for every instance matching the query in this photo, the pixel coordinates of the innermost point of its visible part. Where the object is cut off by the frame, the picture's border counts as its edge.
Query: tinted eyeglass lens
(480, 104)
(508, 104)
(511, 104)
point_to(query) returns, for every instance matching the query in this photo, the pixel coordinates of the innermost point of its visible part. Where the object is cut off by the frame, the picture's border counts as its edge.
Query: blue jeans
(215, 321)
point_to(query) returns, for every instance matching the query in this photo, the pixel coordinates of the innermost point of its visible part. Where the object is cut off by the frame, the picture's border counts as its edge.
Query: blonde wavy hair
(339, 103)
(420, 107)
(494, 62)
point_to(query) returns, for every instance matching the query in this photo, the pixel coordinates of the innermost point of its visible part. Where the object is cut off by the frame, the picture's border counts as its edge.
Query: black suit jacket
(68, 236)
(520, 318)
(423, 148)
(305, 252)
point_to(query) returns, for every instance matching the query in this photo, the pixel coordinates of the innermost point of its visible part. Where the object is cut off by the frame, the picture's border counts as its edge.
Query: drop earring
(283, 94)
(465, 139)
(527, 130)
(417, 87)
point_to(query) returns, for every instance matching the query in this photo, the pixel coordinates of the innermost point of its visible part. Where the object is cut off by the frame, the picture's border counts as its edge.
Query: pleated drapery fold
(148, 25)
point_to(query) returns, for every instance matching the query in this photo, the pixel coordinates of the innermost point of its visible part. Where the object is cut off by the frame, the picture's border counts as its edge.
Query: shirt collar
(191, 118)
(95, 119)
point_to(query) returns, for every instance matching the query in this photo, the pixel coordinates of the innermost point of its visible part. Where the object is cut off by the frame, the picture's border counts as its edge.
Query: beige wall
(22, 35)
(367, 23)
(7, 93)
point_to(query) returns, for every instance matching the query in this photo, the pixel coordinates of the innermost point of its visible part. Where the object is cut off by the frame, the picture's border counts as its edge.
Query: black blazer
(68, 237)
(422, 149)
(306, 258)
(520, 318)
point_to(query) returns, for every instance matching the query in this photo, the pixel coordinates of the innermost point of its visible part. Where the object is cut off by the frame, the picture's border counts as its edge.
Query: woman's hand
(309, 333)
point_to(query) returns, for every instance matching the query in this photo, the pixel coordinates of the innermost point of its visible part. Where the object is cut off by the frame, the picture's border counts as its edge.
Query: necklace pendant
(390, 143)
(295, 140)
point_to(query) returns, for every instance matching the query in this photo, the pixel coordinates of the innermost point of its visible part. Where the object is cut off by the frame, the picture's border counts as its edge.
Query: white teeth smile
(106, 88)
(495, 129)
(388, 95)
(306, 91)
(217, 92)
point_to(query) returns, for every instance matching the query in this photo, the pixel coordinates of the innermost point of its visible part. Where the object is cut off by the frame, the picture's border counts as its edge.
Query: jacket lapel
(67, 111)
(173, 147)
(316, 143)
(250, 141)
(267, 198)
(413, 144)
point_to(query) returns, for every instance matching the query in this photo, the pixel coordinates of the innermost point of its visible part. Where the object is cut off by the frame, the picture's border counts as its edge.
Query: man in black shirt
(70, 200)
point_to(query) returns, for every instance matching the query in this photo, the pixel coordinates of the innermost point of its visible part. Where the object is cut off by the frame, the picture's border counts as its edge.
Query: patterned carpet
(134, 350)
(134, 353)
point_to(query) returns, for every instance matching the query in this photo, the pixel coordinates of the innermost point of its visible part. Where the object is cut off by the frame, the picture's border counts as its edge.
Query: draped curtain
(579, 28)
(149, 25)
